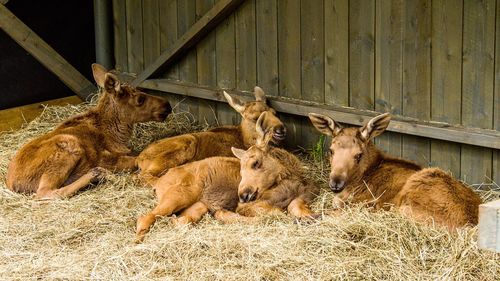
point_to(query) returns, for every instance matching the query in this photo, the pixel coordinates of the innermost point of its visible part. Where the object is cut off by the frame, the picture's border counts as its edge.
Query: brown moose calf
(362, 173)
(211, 185)
(272, 179)
(84, 147)
(164, 154)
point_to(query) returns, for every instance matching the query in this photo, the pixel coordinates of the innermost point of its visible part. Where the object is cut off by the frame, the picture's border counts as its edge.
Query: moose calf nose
(336, 184)
(247, 195)
(279, 133)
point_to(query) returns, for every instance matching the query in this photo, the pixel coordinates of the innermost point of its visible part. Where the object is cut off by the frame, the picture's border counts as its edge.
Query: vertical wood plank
(477, 87)
(186, 17)
(135, 50)
(417, 75)
(151, 30)
(120, 34)
(289, 63)
(267, 45)
(312, 62)
(496, 102)
(389, 68)
(168, 31)
(336, 52)
(361, 53)
(207, 72)
(446, 78)
(289, 48)
(246, 60)
(226, 67)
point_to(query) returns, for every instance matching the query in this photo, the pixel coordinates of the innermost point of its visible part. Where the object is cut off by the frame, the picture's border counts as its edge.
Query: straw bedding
(90, 236)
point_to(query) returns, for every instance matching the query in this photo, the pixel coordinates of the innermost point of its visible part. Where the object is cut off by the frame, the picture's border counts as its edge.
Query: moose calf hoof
(180, 221)
(98, 174)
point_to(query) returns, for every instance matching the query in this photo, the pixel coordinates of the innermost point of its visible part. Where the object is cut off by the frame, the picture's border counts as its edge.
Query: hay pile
(90, 236)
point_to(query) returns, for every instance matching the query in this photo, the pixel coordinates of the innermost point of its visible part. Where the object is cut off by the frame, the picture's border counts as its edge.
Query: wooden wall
(431, 60)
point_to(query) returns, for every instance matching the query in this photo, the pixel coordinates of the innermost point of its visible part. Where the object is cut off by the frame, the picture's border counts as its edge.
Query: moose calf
(164, 154)
(85, 146)
(362, 173)
(211, 185)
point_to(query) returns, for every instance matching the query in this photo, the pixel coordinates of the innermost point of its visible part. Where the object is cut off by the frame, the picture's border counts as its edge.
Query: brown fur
(84, 147)
(272, 179)
(193, 189)
(162, 155)
(362, 173)
(211, 185)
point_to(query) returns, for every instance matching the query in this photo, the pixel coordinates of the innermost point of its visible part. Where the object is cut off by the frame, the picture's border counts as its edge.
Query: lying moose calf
(271, 180)
(362, 172)
(82, 148)
(167, 153)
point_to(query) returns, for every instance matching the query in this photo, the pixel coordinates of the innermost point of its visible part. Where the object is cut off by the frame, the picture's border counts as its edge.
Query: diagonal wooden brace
(47, 56)
(195, 34)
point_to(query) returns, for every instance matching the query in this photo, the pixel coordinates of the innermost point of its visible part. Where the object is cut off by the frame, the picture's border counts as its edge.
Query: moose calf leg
(126, 163)
(169, 204)
(298, 208)
(226, 216)
(192, 214)
(48, 187)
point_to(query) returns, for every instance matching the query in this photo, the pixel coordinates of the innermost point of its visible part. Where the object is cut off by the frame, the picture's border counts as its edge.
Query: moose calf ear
(375, 126)
(324, 124)
(234, 102)
(239, 153)
(111, 83)
(263, 137)
(99, 72)
(259, 94)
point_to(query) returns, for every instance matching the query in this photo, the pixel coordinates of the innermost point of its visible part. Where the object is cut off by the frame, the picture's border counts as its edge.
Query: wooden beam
(400, 124)
(198, 31)
(489, 226)
(39, 49)
(14, 118)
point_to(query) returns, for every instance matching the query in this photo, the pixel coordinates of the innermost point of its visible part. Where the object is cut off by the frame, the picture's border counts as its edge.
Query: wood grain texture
(361, 53)
(135, 48)
(289, 60)
(186, 17)
(206, 66)
(246, 60)
(14, 118)
(336, 52)
(151, 31)
(446, 79)
(477, 84)
(417, 75)
(189, 38)
(266, 12)
(496, 102)
(168, 33)
(389, 68)
(226, 67)
(120, 35)
(399, 124)
(312, 62)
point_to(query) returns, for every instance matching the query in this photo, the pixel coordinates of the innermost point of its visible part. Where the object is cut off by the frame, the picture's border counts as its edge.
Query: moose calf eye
(140, 100)
(358, 157)
(256, 165)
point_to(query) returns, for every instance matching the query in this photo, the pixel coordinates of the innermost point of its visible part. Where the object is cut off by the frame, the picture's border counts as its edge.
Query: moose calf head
(259, 170)
(130, 103)
(252, 110)
(348, 149)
